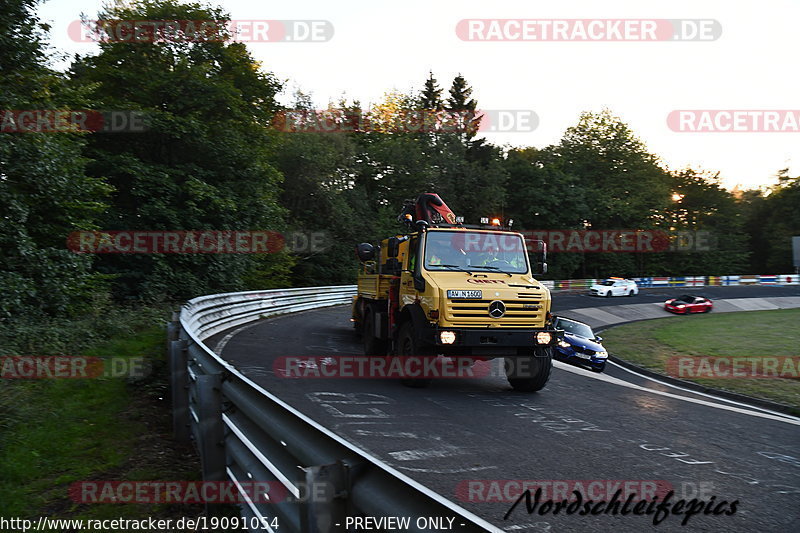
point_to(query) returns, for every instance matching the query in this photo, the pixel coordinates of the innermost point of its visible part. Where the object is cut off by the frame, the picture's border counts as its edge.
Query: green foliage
(211, 160)
(702, 206)
(44, 190)
(772, 219)
(56, 432)
(205, 161)
(431, 97)
(461, 102)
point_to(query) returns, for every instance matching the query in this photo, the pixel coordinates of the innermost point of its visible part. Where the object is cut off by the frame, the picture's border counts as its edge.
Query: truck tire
(407, 345)
(372, 344)
(529, 373)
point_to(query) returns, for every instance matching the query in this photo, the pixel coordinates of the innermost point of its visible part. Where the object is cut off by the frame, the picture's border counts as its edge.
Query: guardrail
(244, 434)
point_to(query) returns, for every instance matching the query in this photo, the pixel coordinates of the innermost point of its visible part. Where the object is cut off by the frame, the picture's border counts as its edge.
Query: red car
(689, 304)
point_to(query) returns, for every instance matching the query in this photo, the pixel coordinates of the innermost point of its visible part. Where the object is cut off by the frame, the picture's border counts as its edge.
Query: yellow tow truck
(446, 289)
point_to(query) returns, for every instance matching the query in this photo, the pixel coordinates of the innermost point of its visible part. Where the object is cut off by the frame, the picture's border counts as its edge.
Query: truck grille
(519, 312)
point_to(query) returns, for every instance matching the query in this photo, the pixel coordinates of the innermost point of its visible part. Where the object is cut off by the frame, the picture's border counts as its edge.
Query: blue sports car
(580, 345)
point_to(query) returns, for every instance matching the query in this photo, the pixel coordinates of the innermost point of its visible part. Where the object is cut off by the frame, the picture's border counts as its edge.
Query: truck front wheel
(407, 346)
(529, 373)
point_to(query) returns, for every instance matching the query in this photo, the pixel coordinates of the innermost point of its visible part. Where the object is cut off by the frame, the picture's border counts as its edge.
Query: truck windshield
(480, 251)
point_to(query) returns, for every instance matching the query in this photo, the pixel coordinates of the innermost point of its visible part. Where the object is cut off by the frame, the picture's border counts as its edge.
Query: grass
(750, 334)
(59, 431)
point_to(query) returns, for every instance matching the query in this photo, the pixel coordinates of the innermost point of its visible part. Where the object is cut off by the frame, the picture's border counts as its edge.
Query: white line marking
(389, 434)
(447, 471)
(224, 340)
(617, 381)
(707, 395)
(416, 455)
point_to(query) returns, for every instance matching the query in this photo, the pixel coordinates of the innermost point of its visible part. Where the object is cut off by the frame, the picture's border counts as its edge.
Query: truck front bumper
(485, 341)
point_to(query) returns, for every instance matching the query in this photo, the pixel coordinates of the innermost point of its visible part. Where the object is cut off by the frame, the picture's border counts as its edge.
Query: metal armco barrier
(246, 435)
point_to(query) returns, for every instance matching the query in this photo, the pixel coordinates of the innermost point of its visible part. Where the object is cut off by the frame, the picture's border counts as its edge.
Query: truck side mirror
(541, 257)
(365, 252)
(419, 281)
(393, 248)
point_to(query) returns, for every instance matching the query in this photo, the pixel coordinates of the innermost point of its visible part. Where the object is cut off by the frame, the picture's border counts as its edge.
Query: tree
(712, 224)
(628, 187)
(772, 221)
(462, 106)
(44, 190)
(431, 97)
(205, 160)
(541, 196)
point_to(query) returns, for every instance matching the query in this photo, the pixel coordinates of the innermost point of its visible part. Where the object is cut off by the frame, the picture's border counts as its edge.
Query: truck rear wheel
(372, 344)
(529, 373)
(407, 345)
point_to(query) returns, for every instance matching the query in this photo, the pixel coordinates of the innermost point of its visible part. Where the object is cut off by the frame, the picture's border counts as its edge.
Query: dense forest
(212, 158)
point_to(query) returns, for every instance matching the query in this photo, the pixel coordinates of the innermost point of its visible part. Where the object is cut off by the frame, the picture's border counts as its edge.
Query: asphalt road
(470, 439)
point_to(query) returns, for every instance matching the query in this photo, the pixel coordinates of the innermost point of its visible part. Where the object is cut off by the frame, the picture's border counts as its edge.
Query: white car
(614, 287)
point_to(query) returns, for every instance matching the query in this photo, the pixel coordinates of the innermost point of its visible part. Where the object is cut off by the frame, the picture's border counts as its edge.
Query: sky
(380, 46)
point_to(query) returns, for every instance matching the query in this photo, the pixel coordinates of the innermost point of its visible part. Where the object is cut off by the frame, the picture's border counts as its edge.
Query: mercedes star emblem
(497, 309)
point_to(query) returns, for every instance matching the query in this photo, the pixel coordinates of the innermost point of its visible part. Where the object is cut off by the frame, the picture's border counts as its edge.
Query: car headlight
(543, 337)
(601, 355)
(564, 344)
(447, 337)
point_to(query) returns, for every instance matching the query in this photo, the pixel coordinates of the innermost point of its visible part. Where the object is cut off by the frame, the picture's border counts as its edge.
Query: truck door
(410, 268)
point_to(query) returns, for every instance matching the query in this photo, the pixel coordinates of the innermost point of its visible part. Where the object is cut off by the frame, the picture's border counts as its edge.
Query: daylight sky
(381, 46)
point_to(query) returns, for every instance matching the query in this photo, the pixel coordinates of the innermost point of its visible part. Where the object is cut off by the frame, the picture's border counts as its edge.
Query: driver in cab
(440, 253)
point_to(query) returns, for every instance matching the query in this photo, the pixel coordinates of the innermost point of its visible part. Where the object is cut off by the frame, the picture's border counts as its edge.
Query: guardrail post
(173, 328)
(324, 498)
(211, 429)
(179, 387)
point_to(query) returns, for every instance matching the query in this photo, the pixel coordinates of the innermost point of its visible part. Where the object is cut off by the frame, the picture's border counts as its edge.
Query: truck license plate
(473, 295)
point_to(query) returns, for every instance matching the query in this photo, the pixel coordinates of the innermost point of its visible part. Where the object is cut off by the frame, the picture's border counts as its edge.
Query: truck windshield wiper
(497, 269)
(462, 269)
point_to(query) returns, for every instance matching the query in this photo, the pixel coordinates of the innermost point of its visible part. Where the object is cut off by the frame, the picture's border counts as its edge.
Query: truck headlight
(543, 337)
(564, 344)
(447, 337)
